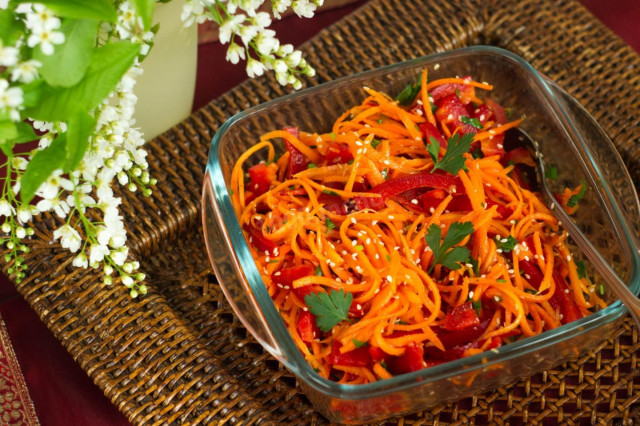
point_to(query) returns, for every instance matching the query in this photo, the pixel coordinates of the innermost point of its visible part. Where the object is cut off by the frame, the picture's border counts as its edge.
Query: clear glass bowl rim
(295, 361)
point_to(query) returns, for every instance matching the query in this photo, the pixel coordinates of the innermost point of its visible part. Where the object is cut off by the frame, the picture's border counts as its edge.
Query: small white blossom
(229, 27)
(255, 68)
(266, 42)
(24, 214)
(69, 237)
(4, 4)
(120, 255)
(21, 232)
(97, 252)
(8, 55)
(41, 18)
(235, 53)
(247, 33)
(127, 281)
(6, 209)
(80, 261)
(26, 71)
(46, 38)
(304, 8)
(10, 97)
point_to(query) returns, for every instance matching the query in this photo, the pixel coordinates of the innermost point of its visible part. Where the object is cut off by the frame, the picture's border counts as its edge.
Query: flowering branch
(67, 73)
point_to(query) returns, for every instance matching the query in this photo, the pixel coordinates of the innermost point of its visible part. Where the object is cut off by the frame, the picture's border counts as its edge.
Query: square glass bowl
(568, 137)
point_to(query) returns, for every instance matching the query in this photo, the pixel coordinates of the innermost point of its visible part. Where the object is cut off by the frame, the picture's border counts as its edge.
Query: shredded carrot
(325, 226)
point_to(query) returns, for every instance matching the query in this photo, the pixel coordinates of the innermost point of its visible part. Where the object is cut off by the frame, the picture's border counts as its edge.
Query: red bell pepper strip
(338, 153)
(466, 91)
(377, 354)
(334, 204)
(561, 300)
(399, 185)
(483, 113)
(493, 145)
(430, 131)
(293, 130)
(411, 360)
(260, 177)
(356, 358)
(297, 160)
(462, 317)
(518, 155)
(450, 109)
(307, 327)
(286, 276)
(258, 240)
(498, 111)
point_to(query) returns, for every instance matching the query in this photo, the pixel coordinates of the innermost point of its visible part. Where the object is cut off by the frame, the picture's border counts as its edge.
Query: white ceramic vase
(166, 88)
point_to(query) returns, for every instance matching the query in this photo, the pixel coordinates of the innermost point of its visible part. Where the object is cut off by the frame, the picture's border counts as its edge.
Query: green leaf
(41, 166)
(551, 172)
(375, 143)
(145, 10)
(581, 269)
(108, 65)
(329, 224)
(575, 199)
(408, 94)
(79, 128)
(98, 10)
(329, 308)
(25, 133)
(358, 343)
(445, 253)
(471, 121)
(70, 61)
(10, 27)
(506, 244)
(477, 305)
(31, 93)
(433, 148)
(8, 130)
(318, 271)
(453, 158)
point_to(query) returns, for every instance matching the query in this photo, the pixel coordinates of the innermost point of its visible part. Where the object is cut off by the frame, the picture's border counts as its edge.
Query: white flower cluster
(115, 153)
(244, 28)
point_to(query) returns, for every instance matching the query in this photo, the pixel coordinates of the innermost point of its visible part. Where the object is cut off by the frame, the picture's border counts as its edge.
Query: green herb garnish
(329, 224)
(332, 135)
(581, 269)
(508, 245)
(375, 143)
(477, 153)
(551, 172)
(311, 166)
(408, 94)
(385, 174)
(501, 281)
(329, 308)
(477, 305)
(350, 162)
(358, 343)
(444, 253)
(359, 247)
(326, 191)
(471, 121)
(318, 271)
(453, 159)
(475, 266)
(573, 201)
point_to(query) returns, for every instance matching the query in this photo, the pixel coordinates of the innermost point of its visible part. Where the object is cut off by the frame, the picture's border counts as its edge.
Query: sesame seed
(471, 294)
(431, 210)
(377, 291)
(499, 250)
(353, 220)
(436, 66)
(500, 146)
(527, 276)
(374, 222)
(414, 201)
(286, 287)
(276, 274)
(450, 117)
(391, 217)
(377, 256)
(359, 307)
(419, 112)
(354, 242)
(368, 241)
(389, 278)
(481, 116)
(419, 102)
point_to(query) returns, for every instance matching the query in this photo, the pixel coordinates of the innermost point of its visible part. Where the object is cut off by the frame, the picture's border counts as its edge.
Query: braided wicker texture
(179, 355)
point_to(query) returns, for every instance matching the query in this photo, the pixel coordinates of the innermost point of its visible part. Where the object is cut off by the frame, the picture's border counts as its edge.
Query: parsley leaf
(358, 343)
(477, 305)
(506, 244)
(326, 191)
(471, 121)
(573, 201)
(311, 166)
(445, 253)
(453, 159)
(581, 269)
(329, 308)
(551, 172)
(318, 271)
(329, 224)
(375, 143)
(408, 94)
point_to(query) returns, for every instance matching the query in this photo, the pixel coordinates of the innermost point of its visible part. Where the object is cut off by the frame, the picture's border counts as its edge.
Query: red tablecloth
(61, 391)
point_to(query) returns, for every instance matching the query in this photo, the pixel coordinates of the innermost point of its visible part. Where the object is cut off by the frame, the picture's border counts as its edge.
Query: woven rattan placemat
(179, 355)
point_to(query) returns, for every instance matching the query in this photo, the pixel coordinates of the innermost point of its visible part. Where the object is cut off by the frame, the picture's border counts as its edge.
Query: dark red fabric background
(61, 391)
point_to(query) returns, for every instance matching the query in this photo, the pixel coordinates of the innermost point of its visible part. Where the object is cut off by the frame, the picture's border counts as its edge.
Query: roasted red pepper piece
(503, 211)
(463, 316)
(561, 301)
(493, 145)
(450, 109)
(518, 155)
(338, 153)
(293, 130)
(498, 111)
(377, 354)
(399, 185)
(259, 241)
(297, 160)
(430, 131)
(260, 178)
(356, 358)
(483, 113)
(466, 91)
(307, 327)
(286, 276)
(411, 360)
(334, 204)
